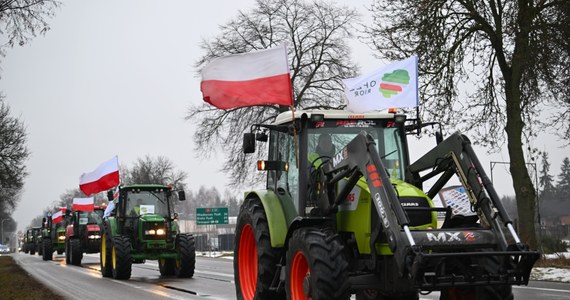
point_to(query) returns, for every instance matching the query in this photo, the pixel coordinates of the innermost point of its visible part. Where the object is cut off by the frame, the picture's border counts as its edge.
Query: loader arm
(426, 255)
(360, 159)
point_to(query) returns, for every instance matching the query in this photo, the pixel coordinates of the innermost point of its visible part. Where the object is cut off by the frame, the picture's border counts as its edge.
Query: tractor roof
(144, 186)
(286, 117)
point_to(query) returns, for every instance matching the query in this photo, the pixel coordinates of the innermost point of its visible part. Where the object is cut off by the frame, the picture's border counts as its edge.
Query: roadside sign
(209, 216)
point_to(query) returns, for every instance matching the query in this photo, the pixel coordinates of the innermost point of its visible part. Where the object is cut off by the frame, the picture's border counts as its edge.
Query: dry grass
(17, 284)
(559, 262)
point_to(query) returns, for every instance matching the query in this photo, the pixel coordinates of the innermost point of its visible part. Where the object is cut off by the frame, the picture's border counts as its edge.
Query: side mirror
(248, 143)
(181, 195)
(110, 195)
(44, 220)
(261, 136)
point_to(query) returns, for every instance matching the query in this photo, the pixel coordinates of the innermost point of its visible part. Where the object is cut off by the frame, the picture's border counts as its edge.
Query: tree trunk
(524, 189)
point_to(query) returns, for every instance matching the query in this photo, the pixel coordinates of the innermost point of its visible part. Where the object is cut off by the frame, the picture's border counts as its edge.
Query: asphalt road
(213, 279)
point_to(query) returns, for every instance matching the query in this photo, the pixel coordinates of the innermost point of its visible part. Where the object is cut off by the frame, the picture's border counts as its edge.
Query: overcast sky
(116, 78)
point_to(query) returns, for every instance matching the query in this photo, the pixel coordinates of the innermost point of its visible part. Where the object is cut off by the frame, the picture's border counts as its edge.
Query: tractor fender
(275, 215)
(109, 226)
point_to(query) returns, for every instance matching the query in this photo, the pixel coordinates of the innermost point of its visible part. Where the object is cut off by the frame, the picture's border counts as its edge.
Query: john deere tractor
(143, 226)
(82, 234)
(30, 242)
(345, 212)
(53, 237)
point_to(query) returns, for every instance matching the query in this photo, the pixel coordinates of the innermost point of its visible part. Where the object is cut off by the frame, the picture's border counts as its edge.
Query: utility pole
(2, 240)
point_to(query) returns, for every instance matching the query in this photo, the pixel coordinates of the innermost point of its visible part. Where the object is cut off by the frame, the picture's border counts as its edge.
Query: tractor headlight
(94, 236)
(158, 231)
(61, 237)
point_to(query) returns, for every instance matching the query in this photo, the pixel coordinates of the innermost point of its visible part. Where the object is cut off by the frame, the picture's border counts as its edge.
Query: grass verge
(560, 261)
(17, 284)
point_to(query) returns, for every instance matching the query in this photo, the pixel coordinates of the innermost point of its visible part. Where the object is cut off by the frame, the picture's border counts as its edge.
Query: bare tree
(159, 170)
(13, 155)
(515, 54)
(316, 34)
(22, 20)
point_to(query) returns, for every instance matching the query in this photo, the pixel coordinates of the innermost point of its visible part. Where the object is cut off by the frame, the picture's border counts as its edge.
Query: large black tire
(48, 249)
(121, 257)
(186, 262)
(255, 261)
(39, 248)
(76, 254)
(316, 266)
(167, 266)
(32, 249)
(105, 256)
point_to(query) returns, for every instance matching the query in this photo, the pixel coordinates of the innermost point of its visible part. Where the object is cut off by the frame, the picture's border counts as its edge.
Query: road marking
(541, 289)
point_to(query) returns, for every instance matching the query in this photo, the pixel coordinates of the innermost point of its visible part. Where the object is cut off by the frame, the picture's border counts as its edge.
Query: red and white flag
(57, 217)
(103, 178)
(83, 204)
(248, 79)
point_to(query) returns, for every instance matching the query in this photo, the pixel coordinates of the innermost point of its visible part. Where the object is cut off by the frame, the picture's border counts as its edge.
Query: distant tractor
(83, 234)
(53, 236)
(143, 226)
(29, 242)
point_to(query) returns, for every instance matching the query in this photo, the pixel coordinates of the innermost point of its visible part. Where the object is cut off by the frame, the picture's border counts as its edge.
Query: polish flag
(248, 79)
(103, 178)
(57, 217)
(83, 204)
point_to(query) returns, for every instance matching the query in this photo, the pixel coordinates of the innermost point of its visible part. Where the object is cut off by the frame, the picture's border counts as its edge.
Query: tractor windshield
(147, 202)
(91, 217)
(324, 143)
(324, 140)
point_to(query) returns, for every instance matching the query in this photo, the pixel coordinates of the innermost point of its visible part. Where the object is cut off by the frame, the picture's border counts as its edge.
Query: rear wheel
(167, 266)
(76, 253)
(105, 257)
(121, 257)
(316, 267)
(48, 250)
(255, 261)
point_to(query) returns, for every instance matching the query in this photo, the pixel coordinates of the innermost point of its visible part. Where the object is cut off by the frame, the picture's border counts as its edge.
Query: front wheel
(255, 261)
(48, 250)
(76, 252)
(105, 257)
(121, 257)
(186, 261)
(316, 267)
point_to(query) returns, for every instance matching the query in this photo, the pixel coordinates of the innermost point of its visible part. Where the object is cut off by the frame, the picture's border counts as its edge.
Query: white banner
(394, 85)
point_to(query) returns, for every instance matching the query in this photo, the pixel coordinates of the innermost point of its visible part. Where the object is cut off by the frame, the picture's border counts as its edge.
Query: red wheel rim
(299, 271)
(247, 261)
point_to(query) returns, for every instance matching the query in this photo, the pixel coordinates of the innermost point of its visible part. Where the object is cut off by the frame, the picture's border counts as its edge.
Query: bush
(551, 244)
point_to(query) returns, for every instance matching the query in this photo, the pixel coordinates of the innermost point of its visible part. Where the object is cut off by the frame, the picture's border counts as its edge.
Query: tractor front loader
(344, 212)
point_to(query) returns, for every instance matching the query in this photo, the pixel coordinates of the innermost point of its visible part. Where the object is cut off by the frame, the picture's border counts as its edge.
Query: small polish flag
(83, 204)
(103, 178)
(57, 217)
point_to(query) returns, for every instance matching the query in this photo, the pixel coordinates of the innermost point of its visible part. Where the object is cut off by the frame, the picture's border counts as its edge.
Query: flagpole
(295, 136)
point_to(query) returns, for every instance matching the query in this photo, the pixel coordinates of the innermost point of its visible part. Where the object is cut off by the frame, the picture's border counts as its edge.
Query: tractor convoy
(344, 211)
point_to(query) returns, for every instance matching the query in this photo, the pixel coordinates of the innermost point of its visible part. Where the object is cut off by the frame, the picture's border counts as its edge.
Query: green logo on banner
(393, 83)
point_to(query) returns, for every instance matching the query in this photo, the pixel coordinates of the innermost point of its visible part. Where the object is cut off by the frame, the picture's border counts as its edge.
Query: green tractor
(35, 240)
(345, 212)
(29, 242)
(143, 226)
(53, 233)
